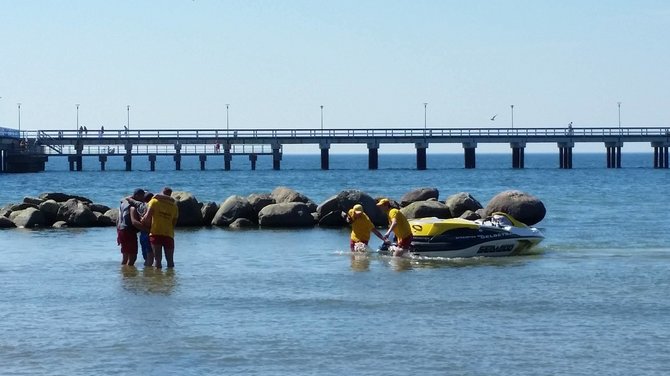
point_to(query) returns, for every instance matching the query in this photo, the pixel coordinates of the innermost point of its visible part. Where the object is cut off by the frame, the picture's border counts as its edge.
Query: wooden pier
(30, 149)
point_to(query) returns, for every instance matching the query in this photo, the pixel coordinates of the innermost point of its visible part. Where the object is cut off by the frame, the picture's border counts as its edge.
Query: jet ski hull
(434, 237)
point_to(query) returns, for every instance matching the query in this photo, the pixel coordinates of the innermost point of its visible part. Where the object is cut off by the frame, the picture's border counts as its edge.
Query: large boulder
(461, 202)
(420, 194)
(100, 208)
(335, 218)
(233, 208)
(28, 218)
(285, 194)
(329, 213)
(76, 213)
(62, 197)
(6, 222)
(32, 200)
(112, 214)
(470, 215)
(287, 214)
(103, 220)
(50, 210)
(209, 210)
(348, 198)
(422, 209)
(520, 205)
(22, 206)
(260, 200)
(189, 209)
(242, 223)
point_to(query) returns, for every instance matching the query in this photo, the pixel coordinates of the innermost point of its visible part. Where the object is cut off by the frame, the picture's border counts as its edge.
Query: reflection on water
(149, 280)
(360, 262)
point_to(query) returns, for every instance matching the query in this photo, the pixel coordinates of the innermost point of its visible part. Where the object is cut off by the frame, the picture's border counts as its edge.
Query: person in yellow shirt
(361, 226)
(161, 217)
(399, 225)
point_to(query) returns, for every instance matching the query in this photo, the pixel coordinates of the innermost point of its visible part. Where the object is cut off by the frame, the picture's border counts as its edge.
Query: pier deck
(74, 144)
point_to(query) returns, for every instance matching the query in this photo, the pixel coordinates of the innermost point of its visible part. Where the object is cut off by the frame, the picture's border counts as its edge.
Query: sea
(592, 299)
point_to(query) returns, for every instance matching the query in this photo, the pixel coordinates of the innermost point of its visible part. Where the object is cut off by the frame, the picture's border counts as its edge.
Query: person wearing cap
(161, 216)
(399, 225)
(361, 226)
(127, 226)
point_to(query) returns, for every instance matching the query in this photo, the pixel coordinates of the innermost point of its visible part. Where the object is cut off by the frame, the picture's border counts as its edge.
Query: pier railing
(139, 134)
(159, 149)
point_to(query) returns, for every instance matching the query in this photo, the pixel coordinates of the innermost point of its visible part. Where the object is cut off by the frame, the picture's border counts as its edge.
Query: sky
(371, 64)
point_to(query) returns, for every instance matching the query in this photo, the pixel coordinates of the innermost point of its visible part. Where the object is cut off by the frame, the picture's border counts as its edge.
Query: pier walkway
(126, 144)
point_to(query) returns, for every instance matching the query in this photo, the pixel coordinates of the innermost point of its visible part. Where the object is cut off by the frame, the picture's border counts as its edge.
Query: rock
(260, 200)
(62, 197)
(422, 209)
(190, 213)
(5, 211)
(6, 222)
(112, 214)
(460, 202)
(470, 215)
(287, 214)
(99, 208)
(420, 194)
(59, 224)
(329, 213)
(103, 220)
(22, 206)
(481, 213)
(32, 200)
(76, 213)
(522, 206)
(333, 219)
(285, 194)
(242, 223)
(348, 198)
(209, 210)
(50, 210)
(28, 218)
(233, 208)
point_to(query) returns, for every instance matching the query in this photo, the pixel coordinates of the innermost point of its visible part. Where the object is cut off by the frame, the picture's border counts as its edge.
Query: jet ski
(497, 235)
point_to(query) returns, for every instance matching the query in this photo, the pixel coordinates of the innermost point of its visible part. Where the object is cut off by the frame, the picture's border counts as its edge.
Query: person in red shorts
(127, 226)
(161, 217)
(399, 225)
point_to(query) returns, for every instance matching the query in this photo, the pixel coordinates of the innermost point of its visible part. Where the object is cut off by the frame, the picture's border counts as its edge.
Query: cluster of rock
(283, 207)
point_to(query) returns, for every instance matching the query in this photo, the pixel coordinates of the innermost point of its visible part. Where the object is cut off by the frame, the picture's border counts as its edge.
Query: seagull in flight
(494, 117)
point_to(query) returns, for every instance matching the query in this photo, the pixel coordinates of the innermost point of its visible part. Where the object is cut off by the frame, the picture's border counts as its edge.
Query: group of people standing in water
(154, 217)
(362, 226)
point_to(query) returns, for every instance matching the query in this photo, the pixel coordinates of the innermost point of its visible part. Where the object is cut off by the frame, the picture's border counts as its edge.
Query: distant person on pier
(162, 216)
(81, 130)
(127, 226)
(217, 147)
(399, 225)
(361, 226)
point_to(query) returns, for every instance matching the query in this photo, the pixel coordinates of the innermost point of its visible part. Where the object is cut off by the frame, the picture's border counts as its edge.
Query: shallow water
(592, 299)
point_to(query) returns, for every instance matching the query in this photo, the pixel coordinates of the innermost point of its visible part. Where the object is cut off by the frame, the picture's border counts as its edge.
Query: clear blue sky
(370, 63)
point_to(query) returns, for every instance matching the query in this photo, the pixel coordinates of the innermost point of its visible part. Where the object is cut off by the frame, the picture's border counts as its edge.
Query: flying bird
(494, 117)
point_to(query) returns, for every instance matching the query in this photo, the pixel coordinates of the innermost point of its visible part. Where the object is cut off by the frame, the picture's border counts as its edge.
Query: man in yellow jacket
(399, 225)
(361, 226)
(162, 214)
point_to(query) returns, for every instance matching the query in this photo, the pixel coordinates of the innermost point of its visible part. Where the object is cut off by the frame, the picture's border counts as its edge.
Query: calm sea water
(593, 299)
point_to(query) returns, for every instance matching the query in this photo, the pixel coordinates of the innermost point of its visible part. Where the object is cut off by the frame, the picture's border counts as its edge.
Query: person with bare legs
(161, 217)
(127, 227)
